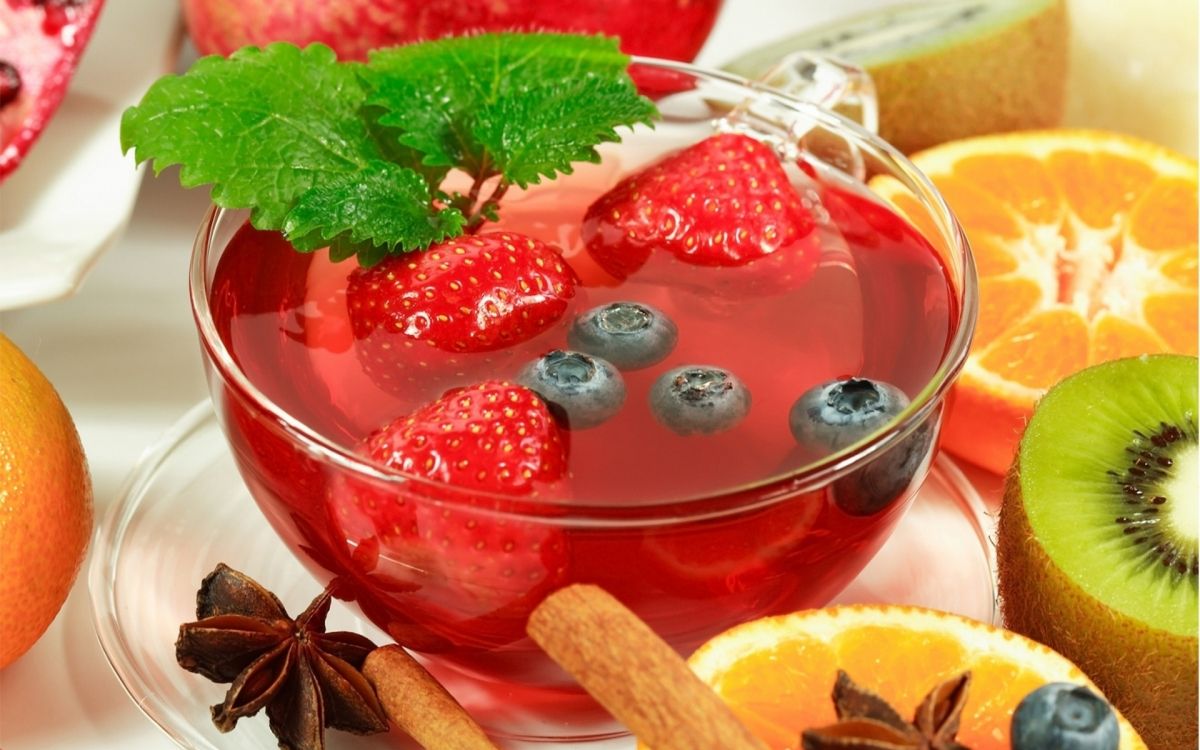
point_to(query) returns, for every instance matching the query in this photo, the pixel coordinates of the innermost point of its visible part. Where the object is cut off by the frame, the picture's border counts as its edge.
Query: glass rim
(747, 496)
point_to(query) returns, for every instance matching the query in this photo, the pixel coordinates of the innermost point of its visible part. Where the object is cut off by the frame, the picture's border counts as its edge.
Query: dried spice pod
(868, 722)
(305, 678)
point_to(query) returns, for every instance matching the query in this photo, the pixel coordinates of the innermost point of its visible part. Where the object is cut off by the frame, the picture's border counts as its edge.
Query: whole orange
(45, 503)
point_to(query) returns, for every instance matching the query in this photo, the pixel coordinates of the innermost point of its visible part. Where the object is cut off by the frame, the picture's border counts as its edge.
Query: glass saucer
(184, 509)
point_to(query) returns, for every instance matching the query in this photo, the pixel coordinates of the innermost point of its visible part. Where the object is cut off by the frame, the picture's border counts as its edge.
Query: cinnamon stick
(417, 703)
(634, 674)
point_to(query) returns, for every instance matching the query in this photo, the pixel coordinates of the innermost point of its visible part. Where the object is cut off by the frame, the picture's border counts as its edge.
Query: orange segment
(1114, 337)
(1004, 302)
(992, 258)
(778, 673)
(1165, 216)
(1098, 187)
(908, 653)
(809, 660)
(976, 210)
(996, 684)
(1173, 316)
(1180, 267)
(1021, 182)
(1041, 350)
(1104, 225)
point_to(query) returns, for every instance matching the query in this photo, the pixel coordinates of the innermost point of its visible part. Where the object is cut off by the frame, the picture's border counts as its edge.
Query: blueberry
(841, 412)
(699, 399)
(885, 478)
(582, 391)
(1062, 716)
(628, 334)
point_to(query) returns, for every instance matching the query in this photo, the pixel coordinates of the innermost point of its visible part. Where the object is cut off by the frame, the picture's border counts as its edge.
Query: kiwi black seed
(1097, 542)
(1143, 485)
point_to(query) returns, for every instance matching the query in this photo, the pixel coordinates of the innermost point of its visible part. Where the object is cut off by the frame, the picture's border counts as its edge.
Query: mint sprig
(354, 156)
(521, 107)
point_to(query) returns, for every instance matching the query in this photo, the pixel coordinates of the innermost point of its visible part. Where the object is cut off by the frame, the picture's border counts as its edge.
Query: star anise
(307, 679)
(867, 722)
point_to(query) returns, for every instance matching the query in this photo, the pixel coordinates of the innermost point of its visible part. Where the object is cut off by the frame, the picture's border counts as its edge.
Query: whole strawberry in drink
(472, 577)
(724, 202)
(418, 318)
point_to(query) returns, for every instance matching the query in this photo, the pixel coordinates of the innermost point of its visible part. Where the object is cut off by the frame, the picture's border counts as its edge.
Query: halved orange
(778, 673)
(1085, 243)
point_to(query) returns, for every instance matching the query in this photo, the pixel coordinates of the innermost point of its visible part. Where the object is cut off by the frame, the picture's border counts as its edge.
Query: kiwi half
(1097, 543)
(949, 69)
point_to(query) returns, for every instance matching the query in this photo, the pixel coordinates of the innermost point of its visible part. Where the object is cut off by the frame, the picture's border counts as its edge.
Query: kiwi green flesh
(897, 33)
(1107, 480)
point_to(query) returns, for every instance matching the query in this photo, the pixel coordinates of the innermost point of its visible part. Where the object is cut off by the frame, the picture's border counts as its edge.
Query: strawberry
(413, 315)
(40, 45)
(725, 201)
(479, 450)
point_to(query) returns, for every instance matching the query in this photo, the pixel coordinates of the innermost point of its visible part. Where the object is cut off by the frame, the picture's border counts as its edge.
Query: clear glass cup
(690, 566)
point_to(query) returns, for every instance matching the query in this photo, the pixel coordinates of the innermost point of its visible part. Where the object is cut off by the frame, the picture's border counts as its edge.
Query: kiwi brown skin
(966, 90)
(978, 78)
(1150, 675)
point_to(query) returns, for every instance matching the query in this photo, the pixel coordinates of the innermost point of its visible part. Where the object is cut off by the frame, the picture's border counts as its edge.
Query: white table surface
(123, 355)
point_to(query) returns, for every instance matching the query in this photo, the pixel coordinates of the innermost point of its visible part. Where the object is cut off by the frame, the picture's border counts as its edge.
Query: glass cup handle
(828, 82)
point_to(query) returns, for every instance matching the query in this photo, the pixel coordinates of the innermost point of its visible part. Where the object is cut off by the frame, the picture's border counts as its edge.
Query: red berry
(726, 201)
(475, 573)
(415, 315)
(493, 436)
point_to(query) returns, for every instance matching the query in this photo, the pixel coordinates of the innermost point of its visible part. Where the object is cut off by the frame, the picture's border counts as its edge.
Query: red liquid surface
(878, 306)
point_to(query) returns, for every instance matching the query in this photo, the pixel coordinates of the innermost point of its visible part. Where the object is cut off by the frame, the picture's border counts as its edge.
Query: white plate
(71, 197)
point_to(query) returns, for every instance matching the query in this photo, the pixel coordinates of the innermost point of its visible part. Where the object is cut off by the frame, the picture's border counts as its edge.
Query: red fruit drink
(696, 532)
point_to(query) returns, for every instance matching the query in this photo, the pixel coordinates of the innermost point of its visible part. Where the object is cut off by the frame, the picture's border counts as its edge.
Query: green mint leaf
(262, 126)
(426, 115)
(382, 205)
(543, 131)
(524, 106)
(394, 151)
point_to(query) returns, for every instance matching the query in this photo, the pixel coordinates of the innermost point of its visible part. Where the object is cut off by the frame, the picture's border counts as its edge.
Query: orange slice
(1085, 246)
(777, 673)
